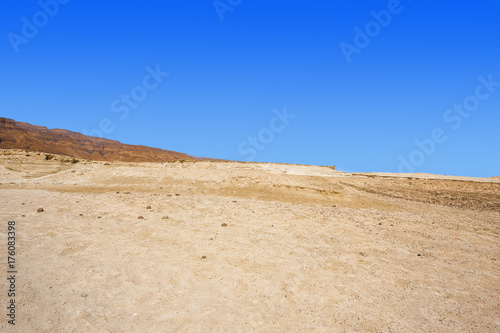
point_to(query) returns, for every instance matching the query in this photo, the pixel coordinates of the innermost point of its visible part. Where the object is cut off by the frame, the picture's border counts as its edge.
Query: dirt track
(303, 249)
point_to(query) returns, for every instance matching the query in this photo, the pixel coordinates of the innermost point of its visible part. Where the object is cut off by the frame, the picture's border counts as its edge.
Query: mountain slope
(20, 135)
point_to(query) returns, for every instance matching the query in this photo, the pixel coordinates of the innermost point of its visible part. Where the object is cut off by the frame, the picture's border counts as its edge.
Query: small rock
(380, 223)
(419, 255)
(224, 224)
(126, 192)
(84, 295)
(235, 201)
(177, 194)
(22, 204)
(98, 217)
(148, 207)
(117, 192)
(81, 214)
(23, 215)
(39, 210)
(140, 217)
(165, 217)
(203, 257)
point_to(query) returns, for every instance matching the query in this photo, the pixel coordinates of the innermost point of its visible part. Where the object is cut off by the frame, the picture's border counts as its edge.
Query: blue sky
(364, 85)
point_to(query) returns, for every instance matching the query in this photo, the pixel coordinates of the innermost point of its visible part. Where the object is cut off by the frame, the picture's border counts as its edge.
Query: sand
(247, 247)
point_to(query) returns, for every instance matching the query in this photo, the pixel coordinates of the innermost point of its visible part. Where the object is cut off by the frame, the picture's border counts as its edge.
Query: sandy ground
(247, 247)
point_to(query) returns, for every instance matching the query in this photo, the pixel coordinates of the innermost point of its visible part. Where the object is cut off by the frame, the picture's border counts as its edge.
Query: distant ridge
(20, 135)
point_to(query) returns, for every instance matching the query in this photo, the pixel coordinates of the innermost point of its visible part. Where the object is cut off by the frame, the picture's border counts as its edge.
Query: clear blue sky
(360, 99)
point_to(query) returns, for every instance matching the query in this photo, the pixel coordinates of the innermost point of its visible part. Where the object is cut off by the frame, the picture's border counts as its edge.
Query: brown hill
(20, 135)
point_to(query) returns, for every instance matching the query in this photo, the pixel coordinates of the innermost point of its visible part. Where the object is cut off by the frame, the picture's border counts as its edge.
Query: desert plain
(207, 246)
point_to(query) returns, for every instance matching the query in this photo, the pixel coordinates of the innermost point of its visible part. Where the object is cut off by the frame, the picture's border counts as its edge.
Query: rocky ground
(246, 247)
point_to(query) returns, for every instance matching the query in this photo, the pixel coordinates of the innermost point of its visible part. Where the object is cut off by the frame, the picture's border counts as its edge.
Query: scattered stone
(177, 194)
(165, 217)
(22, 204)
(380, 223)
(161, 188)
(98, 217)
(84, 295)
(126, 192)
(148, 207)
(224, 224)
(81, 214)
(419, 255)
(235, 201)
(23, 215)
(140, 217)
(39, 210)
(203, 257)
(117, 192)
